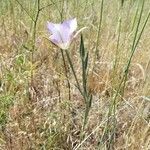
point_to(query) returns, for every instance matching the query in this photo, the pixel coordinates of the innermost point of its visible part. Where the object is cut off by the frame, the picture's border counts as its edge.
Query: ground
(41, 106)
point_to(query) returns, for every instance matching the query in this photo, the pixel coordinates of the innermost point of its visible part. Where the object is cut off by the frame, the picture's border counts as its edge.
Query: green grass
(44, 105)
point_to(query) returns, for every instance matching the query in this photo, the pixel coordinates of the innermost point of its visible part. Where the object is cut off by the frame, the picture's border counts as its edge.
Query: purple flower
(62, 34)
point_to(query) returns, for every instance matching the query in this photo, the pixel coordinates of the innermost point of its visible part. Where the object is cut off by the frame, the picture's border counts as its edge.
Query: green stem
(134, 46)
(99, 29)
(73, 71)
(66, 74)
(124, 78)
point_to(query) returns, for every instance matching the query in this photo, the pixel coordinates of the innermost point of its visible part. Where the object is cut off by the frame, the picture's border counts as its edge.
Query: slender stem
(118, 42)
(59, 11)
(96, 55)
(25, 10)
(66, 74)
(73, 71)
(35, 21)
(99, 29)
(135, 17)
(87, 110)
(85, 95)
(134, 46)
(34, 35)
(32, 52)
(124, 78)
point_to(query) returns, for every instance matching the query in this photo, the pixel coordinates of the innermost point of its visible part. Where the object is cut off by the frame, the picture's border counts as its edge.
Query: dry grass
(35, 111)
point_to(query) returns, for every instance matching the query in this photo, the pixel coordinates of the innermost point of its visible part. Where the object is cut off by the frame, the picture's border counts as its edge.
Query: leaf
(86, 61)
(82, 49)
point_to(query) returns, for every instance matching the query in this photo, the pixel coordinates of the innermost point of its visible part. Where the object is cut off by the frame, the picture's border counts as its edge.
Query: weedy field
(74, 75)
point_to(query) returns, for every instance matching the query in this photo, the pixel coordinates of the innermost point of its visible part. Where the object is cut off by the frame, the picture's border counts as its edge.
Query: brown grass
(37, 114)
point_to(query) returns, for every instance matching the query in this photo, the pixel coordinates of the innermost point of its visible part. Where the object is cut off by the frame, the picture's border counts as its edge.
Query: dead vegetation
(35, 111)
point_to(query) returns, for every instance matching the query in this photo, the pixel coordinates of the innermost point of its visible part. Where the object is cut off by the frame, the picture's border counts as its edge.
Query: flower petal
(60, 31)
(62, 34)
(53, 28)
(71, 23)
(56, 39)
(65, 33)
